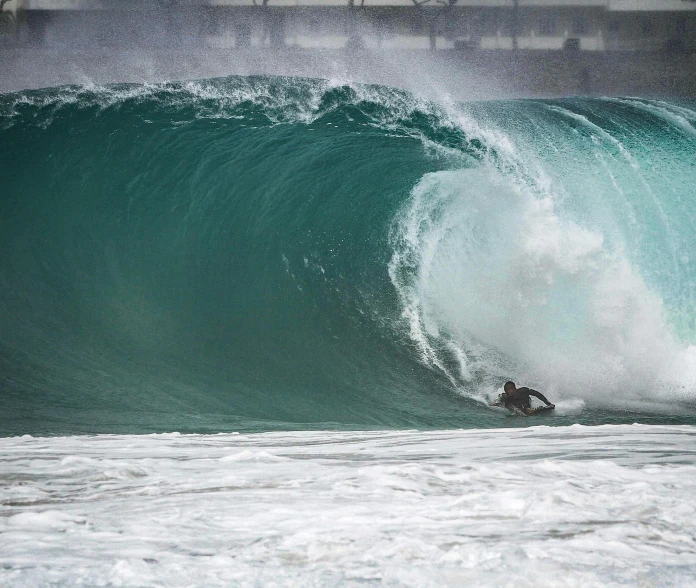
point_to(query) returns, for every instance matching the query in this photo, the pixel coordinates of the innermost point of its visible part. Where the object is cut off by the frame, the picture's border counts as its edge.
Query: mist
(466, 52)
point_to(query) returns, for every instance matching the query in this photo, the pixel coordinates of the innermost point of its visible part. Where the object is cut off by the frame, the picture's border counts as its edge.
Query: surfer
(518, 398)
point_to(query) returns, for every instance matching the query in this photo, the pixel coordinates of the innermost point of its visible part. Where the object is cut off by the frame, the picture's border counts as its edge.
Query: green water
(267, 253)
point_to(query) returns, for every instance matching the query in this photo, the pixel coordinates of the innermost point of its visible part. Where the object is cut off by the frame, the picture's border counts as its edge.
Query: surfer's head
(509, 387)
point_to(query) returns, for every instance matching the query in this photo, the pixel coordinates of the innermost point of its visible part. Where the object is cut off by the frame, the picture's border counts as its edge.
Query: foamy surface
(605, 505)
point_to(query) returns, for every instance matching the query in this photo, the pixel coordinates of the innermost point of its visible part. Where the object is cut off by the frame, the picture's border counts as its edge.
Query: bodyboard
(540, 409)
(500, 403)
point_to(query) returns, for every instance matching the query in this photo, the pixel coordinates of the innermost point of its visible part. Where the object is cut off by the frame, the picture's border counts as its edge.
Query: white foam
(608, 505)
(46, 520)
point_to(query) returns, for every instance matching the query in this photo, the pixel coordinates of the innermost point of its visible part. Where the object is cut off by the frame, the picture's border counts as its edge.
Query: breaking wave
(258, 253)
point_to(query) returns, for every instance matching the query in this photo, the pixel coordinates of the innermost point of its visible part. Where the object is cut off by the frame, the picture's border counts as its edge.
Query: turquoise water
(267, 253)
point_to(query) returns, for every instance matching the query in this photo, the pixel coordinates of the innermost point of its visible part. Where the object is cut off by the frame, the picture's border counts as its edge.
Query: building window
(506, 25)
(580, 26)
(613, 26)
(547, 24)
(416, 24)
(461, 25)
(488, 25)
(314, 23)
(383, 24)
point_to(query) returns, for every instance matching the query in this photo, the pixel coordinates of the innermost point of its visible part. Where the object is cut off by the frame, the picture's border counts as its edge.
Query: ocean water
(251, 254)
(250, 329)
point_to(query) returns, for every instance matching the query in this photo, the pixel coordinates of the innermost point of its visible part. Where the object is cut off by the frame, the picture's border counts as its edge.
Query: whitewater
(597, 506)
(250, 329)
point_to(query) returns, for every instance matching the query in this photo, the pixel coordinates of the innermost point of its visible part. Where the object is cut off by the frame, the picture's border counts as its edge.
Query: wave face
(259, 253)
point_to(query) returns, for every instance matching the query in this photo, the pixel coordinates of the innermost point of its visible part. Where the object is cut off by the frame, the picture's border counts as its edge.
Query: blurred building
(458, 25)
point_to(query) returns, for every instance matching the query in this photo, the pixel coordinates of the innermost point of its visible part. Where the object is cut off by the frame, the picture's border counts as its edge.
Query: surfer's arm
(540, 396)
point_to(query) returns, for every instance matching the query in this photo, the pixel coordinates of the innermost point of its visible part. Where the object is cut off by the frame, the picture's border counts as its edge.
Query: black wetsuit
(520, 399)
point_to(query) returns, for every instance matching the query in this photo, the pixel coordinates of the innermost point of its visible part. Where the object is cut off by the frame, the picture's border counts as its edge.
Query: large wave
(255, 253)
